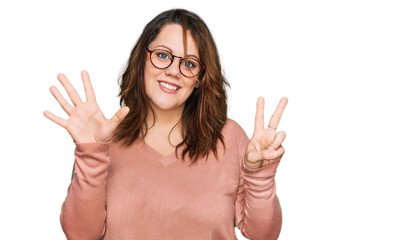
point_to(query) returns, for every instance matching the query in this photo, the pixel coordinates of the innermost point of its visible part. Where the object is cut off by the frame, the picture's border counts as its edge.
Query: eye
(190, 63)
(163, 55)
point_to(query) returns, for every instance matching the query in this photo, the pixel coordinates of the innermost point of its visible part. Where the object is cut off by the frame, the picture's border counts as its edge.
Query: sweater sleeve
(257, 208)
(83, 212)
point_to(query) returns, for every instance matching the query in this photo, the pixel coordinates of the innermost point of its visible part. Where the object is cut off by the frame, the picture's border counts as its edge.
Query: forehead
(171, 36)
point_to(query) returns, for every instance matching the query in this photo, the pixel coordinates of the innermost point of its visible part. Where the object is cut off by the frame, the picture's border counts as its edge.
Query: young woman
(169, 164)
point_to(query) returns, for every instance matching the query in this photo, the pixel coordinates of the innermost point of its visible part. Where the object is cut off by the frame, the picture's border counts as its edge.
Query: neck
(164, 118)
(165, 127)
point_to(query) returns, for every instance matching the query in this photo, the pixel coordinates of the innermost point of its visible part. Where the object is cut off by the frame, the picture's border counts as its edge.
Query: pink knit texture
(137, 193)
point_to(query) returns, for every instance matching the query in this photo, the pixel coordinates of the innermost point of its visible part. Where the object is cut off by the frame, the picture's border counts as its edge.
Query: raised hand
(265, 145)
(86, 123)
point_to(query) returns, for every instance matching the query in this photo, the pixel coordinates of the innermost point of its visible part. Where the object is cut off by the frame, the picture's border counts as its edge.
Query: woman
(169, 164)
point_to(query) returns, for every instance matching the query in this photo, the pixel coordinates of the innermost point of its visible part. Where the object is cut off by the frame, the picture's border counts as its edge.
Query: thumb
(267, 154)
(120, 115)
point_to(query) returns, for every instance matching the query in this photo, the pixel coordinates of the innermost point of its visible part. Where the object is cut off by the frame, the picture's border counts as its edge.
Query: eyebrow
(189, 55)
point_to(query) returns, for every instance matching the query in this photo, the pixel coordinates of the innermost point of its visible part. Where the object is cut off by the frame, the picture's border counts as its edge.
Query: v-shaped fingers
(259, 115)
(276, 117)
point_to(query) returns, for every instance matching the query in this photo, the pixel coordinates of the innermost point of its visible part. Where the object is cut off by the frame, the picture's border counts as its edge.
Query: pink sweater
(137, 193)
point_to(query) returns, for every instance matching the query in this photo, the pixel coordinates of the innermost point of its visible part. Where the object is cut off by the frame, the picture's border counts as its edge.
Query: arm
(258, 212)
(83, 211)
(257, 209)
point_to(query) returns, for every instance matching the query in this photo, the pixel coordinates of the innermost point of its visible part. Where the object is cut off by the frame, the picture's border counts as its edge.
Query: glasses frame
(172, 60)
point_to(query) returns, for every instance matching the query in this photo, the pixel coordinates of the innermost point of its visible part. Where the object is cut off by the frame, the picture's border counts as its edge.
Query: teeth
(166, 85)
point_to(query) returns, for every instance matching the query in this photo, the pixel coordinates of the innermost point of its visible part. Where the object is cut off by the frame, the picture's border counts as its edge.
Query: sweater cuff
(88, 148)
(91, 163)
(93, 146)
(262, 172)
(259, 185)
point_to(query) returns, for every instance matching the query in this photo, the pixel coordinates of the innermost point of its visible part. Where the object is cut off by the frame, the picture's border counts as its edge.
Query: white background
(347, 68)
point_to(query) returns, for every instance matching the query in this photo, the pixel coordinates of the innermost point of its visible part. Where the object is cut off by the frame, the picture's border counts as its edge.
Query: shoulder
(232, 128)
(236, 139)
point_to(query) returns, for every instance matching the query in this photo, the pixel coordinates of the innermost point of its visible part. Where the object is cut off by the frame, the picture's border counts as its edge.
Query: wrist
(252, 165)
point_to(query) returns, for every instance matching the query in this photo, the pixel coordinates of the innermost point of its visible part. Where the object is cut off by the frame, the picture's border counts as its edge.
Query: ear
(197, 84)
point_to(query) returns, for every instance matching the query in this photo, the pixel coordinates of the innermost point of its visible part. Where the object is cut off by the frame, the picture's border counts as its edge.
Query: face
(167, 88)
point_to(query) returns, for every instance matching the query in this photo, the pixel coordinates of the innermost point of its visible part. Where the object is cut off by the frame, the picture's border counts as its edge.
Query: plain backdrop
(347, 68)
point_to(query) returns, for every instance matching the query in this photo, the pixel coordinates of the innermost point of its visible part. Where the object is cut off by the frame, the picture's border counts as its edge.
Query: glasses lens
(190, 67)
(161, 58)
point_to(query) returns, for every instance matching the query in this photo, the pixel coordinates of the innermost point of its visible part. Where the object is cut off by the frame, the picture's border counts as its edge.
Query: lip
(166, 90)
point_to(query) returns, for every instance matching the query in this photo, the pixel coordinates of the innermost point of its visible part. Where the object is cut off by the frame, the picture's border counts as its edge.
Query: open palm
(265, 145)
(86, 122)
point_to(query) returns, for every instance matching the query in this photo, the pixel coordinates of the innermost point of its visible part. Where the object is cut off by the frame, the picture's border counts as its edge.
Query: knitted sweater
(122, 193)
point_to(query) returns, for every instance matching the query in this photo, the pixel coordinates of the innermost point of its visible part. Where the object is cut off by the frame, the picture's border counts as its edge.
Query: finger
(280, 152)
(267, 162)
(275, 154)
(276, 117)
(89, 90)
(120, 115)
(259, 115)
(279, 138)
(64, 104)
(72, 93)
(58, 120)
(267, 154)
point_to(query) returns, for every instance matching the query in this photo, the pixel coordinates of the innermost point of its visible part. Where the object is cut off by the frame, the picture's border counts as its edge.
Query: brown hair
(205, 111)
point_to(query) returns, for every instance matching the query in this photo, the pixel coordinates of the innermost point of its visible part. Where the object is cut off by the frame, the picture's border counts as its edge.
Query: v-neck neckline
(156, 155)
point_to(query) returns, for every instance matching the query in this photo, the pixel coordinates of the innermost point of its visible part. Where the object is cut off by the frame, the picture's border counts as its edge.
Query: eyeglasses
(188, 66)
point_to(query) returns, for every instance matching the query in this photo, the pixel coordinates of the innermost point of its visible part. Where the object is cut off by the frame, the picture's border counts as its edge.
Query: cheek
(150, 74)
(147, 71)
(190, 87)
(148, 80)
(190, 82)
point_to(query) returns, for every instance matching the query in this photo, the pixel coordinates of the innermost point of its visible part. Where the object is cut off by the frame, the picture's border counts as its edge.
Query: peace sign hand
(265, 145)
(86, 122)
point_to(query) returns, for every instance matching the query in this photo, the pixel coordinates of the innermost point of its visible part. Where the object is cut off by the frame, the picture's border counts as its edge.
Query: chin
(165, 105)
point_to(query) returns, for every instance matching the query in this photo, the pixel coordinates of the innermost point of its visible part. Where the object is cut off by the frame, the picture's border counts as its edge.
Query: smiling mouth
(169, 86)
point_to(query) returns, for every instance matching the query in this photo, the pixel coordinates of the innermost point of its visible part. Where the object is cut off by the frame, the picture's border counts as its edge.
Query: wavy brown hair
(205, 111)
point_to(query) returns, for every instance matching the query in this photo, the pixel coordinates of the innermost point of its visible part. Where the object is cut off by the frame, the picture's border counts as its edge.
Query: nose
(174, 68)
